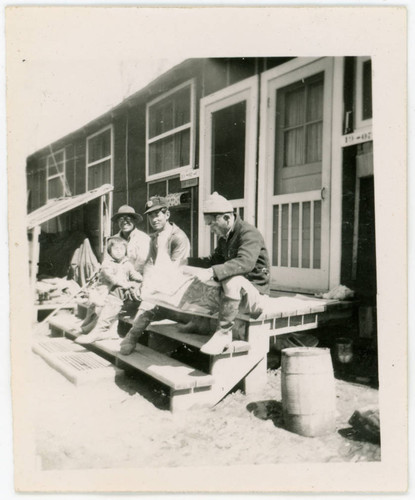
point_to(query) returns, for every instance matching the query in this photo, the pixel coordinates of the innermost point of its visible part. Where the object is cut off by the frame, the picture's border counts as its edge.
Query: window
(299, 136)
(170, 132)
(301, 111)
(55, 175)
(99, 159)
(363, 92)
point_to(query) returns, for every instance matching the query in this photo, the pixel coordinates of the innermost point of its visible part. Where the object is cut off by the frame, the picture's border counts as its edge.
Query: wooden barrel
(308, 392)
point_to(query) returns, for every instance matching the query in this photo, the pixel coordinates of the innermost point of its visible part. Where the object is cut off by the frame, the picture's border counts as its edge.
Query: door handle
(323, 193)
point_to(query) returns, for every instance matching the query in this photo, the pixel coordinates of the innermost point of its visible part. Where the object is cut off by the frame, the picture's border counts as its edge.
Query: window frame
(61, 175)
(311, 165)
(101, 160)
(360, 122)
(190, 125)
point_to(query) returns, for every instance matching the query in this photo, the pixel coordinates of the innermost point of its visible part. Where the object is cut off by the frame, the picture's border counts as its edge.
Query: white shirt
(138, 247)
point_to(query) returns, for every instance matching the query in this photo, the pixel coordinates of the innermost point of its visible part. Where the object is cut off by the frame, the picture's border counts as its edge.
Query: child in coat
(118, 281)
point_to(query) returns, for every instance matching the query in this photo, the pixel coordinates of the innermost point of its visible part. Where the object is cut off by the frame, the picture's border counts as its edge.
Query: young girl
(118, 280)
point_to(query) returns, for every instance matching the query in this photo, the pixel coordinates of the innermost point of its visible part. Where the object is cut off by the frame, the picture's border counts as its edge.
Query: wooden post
(34, 255)
(34, 261)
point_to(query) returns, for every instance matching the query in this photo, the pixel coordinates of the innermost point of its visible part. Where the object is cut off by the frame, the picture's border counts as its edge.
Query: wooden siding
(80, 165)
(348, 202)
(119, 159)
(70, 167)
(137, 191)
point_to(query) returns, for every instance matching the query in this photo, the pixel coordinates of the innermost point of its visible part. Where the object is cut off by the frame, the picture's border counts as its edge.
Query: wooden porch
(173, 359)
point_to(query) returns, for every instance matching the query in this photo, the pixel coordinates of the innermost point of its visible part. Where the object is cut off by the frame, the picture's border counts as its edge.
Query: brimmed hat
(156, 203)
(126, 210)
(217, 204)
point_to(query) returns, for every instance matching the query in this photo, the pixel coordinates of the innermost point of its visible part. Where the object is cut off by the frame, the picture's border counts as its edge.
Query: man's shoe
(218, 343)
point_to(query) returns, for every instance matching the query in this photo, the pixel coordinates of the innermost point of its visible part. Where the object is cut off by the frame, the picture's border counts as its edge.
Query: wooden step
(76, 363)
(166, 370)
(172, 331)
(188, 387)
(65, 324)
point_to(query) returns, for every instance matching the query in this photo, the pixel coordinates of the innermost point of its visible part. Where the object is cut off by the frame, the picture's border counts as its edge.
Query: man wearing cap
(240, 263)
(168, 241)
(138, 242)
(169, 245)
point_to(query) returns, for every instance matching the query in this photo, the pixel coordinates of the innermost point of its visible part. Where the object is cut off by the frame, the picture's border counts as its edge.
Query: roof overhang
(59, 206)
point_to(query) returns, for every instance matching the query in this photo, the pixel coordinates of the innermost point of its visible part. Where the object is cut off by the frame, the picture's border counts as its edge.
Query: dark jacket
(178, 246)
(243, 253)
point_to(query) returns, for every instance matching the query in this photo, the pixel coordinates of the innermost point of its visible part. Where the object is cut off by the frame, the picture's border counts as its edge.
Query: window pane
(169, 153)
(295, 234)
(228, 151)
(161, 118)
(306, 235)
(367, 90)
(317, 235)
(55, 188)
(170, 113)
(284, 235)
(99, 174)
(294, 108)
(182, 107)
(157, 189)
(275, 239)
(99, 146)
(55, 164)
(315, 101)
(314, 142)
(182, 149)
(294, 147)
(174, 185)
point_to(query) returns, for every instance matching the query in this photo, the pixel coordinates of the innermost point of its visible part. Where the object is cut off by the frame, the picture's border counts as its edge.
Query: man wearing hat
(137, 247)
(168, 240)
(240, 263)
(138, 242)
(169, 245)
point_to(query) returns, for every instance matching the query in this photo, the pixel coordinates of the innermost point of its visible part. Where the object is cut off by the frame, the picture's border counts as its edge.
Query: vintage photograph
(202, 264)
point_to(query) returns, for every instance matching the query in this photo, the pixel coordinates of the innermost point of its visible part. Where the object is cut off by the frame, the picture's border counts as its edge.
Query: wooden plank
(51, 346)
(82, 367)
(195, 340)
(190, 399)
(256, 379)
(67, 323)
(164, 369)
(45, 306)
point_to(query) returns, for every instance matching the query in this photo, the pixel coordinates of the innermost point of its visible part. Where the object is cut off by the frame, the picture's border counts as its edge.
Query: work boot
(106, 320)
(141, 322)
(222, 338)
(88, 326)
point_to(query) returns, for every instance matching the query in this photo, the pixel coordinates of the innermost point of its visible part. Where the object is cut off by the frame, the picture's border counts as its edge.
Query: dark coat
(243, 253)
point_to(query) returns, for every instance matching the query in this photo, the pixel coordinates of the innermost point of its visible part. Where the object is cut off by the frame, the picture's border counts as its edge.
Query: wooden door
(295, 169)
(228, 132)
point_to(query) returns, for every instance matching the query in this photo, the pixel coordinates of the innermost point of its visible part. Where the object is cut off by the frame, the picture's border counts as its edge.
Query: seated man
(240, 263)
(137, 244)
(169, 246)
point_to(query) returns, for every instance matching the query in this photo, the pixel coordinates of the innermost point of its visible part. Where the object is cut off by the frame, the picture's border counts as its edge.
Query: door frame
(331, 175)
(245, 90)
